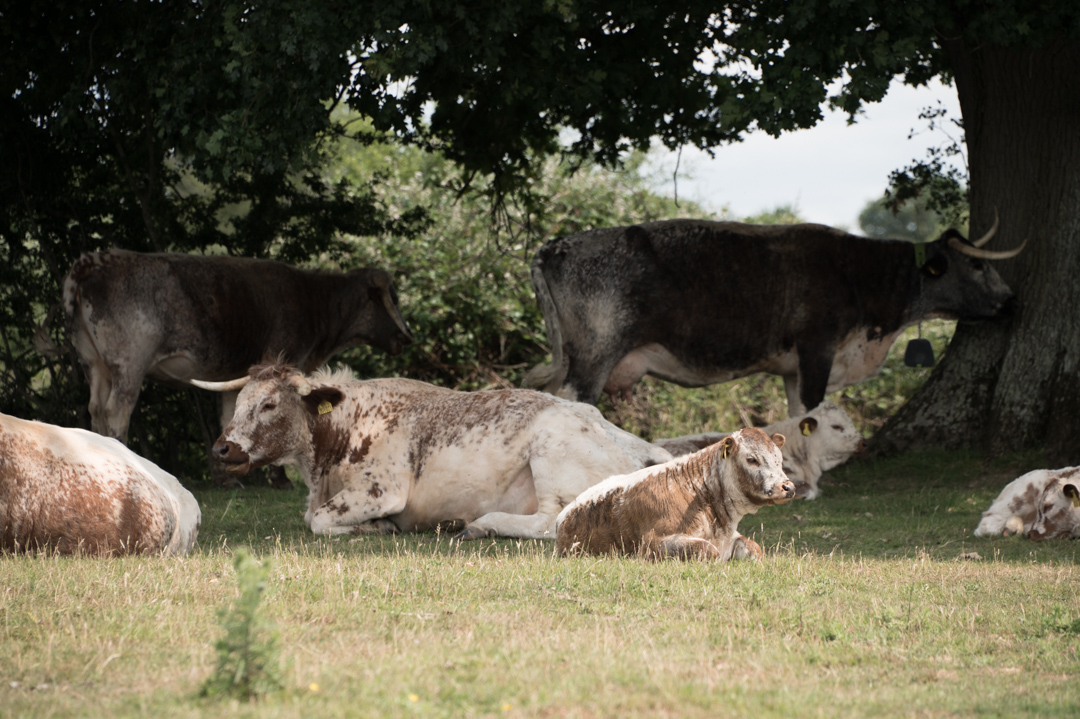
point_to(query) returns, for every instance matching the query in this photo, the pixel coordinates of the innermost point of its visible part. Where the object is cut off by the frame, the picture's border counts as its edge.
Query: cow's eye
(269, 406)
(752, 460)
(838, 428)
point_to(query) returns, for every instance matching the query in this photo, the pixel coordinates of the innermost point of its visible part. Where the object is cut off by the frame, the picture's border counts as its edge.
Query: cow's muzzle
(783, 491)
(236, 460)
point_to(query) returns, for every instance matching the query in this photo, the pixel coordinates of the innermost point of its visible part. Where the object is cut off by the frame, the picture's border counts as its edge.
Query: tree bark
(1014, 383)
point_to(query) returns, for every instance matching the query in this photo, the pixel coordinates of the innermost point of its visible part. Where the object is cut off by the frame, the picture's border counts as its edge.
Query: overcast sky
(829, 172)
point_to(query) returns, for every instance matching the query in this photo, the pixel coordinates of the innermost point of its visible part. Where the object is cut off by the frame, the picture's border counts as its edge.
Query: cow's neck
(885, 289)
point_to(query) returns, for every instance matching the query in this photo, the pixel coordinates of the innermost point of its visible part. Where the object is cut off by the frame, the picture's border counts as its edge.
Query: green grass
(863, 607)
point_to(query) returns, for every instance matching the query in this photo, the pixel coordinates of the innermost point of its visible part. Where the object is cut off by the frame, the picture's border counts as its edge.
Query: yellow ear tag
(724, 451)
(1076, 500)
(325, 407)
(806, 430)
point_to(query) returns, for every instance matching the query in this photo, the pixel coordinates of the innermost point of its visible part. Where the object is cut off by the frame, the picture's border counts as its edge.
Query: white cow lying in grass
(817, 441)
(1043, 504)
(687, 508)
(72, 491)
(388, 455)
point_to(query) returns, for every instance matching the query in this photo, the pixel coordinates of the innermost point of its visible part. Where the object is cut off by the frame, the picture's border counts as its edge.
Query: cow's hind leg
(502, 524)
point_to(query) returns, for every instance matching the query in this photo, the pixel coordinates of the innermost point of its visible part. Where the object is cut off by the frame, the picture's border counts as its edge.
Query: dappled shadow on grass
(915, 505)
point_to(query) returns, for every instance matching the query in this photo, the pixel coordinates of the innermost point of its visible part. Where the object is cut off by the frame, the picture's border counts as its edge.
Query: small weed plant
(249, 665)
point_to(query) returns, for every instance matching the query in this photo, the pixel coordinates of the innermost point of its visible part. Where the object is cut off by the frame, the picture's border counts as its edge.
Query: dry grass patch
(836, 622)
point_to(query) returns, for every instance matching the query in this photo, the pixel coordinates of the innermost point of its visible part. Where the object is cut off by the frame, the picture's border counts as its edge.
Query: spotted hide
(399, 455)
(697, 303)
(817, 441)
(72, 491)
(1042, 504)
(174, 317)
(687, 508)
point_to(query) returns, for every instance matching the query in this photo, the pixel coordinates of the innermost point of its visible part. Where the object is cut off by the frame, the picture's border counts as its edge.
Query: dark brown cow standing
(176, 317)
(688, 508)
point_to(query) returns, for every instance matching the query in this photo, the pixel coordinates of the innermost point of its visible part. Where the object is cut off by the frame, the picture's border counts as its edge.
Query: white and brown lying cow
(687, 508)
(387, 455)
(71, 491)
(1043, 504)
(817, 441)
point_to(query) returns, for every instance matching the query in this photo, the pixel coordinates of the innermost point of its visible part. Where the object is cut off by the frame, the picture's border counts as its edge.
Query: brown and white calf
(387, 455)
(1043, 504)
(687, 508)
(818, 440)
(71, 491)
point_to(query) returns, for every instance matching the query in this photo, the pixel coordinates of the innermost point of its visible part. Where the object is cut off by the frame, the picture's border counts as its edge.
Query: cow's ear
(807, 425)
(1072, 493)
(779, 439)
(936, 266)
(727, 447)
(322, 400)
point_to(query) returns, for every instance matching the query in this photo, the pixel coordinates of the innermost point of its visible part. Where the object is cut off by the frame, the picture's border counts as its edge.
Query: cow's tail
(547, 377)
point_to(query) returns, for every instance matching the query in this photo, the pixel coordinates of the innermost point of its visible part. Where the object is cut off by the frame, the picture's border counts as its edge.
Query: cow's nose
(860, 448)
(223, 450)
(788, 488)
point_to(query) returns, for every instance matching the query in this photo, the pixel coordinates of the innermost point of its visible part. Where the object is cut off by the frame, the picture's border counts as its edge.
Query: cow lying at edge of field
(688, 508)
(1043, 504)
(73, 492)
(387, 455)
(823, 438)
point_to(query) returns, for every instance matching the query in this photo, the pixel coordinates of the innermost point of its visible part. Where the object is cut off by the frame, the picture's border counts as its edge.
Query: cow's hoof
(473, 532)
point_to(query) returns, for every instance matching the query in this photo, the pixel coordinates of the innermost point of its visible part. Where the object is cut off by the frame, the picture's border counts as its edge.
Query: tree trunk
(1014, 383)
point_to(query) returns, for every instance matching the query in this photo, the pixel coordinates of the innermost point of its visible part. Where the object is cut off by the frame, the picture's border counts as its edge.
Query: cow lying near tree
(1043, 504)
(71, 491)
(174, 317)
(697, 303)
(688, 508)
(388, 455)
(817, 441)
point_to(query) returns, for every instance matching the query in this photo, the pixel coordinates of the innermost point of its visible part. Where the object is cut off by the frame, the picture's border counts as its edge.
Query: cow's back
(69, 491)
(222, 313)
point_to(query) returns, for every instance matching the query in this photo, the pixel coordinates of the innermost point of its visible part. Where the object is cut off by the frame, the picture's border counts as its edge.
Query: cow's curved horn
(990, 233)
(230, 386)
(959, 246)
(394, 313)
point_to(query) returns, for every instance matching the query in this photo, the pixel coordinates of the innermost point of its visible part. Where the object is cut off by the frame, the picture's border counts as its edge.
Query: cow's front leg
(682, 546)
(354, 509)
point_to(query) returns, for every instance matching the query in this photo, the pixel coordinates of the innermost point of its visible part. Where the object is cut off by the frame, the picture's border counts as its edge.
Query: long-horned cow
(175, 317)
(387, 455)
(71, 491)
(697, 302)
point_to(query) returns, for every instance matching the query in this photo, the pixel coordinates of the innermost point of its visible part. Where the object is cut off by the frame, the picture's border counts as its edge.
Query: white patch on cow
(656, 360)
(858, 358)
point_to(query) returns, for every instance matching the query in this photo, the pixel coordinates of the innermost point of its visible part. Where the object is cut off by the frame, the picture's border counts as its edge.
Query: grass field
(864, 606)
